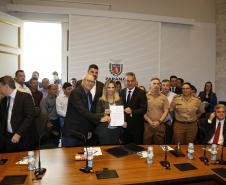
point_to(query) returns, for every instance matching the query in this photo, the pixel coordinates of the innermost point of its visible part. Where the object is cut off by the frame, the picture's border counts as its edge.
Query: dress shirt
(44, 92)
(221, 137)
(93, 90)
(22, 88)
(48, 106)
(61, 105)
(12, 98)
(170, 97)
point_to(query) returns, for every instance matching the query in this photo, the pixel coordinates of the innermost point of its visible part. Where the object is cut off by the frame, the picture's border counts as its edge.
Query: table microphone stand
(204, 158)
(222, 161)
(78, 135)
(165, 163)
(39, 172)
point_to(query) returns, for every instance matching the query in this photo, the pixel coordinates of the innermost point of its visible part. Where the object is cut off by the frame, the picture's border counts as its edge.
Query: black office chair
(202, 130)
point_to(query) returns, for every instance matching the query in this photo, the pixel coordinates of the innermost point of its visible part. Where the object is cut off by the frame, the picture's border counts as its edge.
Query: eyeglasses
(89, 81)
(129, 81)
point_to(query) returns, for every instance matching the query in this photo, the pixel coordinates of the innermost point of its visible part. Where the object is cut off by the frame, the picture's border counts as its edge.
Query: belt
(185, 122)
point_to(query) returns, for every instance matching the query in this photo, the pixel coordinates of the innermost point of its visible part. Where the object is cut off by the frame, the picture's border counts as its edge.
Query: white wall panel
(9, 63)
(188, 52)
(98, 40)
(9, 34)
(147, 48)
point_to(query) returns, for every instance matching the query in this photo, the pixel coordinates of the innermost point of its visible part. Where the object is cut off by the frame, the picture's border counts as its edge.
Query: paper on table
(23, 160)
(168, 147)
(96, 151)
(117, 115)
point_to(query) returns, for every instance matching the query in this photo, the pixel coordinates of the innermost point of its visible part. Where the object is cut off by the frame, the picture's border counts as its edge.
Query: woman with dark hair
(106, 134)
(186, 109)
(208, 98)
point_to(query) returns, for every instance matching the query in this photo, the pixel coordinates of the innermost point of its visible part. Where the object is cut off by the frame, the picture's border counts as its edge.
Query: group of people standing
(168, 113)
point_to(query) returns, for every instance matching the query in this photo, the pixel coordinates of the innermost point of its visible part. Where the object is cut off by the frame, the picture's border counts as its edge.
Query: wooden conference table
(62, 169)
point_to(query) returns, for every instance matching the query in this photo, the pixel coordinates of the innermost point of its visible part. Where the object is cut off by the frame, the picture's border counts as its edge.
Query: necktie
(128, 97)
(217, 134)
(89, 98)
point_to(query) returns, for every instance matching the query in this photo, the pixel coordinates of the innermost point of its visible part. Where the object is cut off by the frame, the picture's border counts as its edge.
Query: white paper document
(117, 115)
(167, 147)
(96, 151)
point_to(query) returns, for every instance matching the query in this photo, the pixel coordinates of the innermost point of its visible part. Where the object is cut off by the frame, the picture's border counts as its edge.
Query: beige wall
(221, 49)
(200, 10)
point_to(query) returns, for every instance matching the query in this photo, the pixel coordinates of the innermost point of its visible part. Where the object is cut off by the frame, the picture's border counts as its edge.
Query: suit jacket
(22, 116)
(99, 91)
(207, 130)
(78, 117)
(138, 104)
(178, 90)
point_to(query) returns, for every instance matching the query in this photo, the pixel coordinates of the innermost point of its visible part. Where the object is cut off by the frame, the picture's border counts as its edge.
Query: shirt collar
(131, 90)
(222, 121)
(13, 94)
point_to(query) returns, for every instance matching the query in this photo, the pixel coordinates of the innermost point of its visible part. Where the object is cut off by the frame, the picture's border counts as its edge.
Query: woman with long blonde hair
(107, 134)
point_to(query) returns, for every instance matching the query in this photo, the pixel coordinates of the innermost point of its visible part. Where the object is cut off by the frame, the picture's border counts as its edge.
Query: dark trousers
(133, 137)
(7, 146)
(71, 142)
(108, 136)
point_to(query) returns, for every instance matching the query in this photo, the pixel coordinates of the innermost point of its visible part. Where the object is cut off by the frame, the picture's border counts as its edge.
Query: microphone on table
(222, 161)
(204, 158)
(165, 163)
(82, 137)
(39, 171)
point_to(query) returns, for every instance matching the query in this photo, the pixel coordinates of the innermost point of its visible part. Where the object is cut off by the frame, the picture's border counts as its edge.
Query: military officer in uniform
(186, 109)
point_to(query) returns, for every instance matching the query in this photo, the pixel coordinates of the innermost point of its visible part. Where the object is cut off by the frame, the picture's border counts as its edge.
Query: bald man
(80, 117)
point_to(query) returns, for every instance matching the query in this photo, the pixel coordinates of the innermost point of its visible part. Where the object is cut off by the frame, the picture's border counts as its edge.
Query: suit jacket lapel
(84, 96)
(3, 114)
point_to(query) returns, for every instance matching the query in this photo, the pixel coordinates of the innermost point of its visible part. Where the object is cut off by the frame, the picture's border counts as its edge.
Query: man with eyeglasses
(135, 106)
(81, 118)
(98, 86)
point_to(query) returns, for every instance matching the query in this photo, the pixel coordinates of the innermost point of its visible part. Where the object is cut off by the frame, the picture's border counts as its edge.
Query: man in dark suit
(135, 106)
(213, 130)
(80, 119)
(98, 86)
(16, 117)
(173, 83)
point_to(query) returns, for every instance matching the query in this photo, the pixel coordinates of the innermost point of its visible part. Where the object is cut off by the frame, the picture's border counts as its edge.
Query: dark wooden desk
(62, 169)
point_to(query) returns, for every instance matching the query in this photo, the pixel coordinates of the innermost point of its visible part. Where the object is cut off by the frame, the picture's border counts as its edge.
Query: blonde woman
(106, 134)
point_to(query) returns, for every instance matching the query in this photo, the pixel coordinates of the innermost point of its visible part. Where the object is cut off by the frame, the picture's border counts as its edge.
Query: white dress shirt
(221, 137)
(61, 105)
(12, 98)
(170, 97)
(93, 90)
